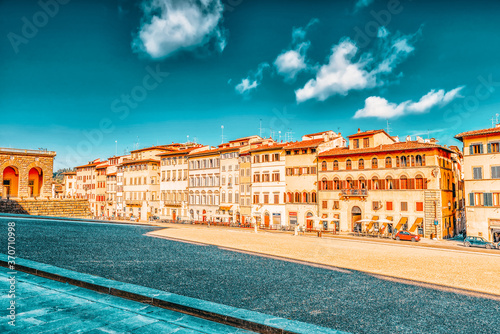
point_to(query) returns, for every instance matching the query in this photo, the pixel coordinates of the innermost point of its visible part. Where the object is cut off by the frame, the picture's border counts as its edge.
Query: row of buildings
(371, 181)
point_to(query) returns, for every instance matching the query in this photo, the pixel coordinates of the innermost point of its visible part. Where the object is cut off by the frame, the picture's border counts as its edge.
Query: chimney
(497, 126)
(359, 130)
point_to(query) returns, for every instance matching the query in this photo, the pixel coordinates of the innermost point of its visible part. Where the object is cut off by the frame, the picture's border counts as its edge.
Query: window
(495, 172)
(493, 147)
(374, 163)
(276, 157)
(313, 170)
(256, 199)
(402, 161)
(265, 177)
(361, 164)
(477, 173)
(388, 162)
(335, 165)
(313, 197)
(376, 205)
(418, 160)
(404, 206)
(276, 177)
(420, 183)
(256, 177)
(355, 144)
(366, 142)
(390, 183)
(476, 149)
(276, 198)
(266, 198)
(403, 183)
(323, 166)
(348, 164)
(388, 206)
(336, 205)
(288, 152)
(487, 199)
(375, 183)
(419, 206)
(496, 199)
(324, 204)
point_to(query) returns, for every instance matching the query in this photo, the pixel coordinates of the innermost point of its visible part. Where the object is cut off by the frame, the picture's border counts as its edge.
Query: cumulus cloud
(361, 4)
(344, 71)
(379, 107)
(252, 81)
(293, 60)
(169, 26)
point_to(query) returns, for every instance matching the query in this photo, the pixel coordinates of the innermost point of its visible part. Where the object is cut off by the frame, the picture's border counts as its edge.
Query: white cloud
(169, 26)
(293, 61)
(361, 4)
(252, 81)
(345, 72)
(379, 107)
(339, 76)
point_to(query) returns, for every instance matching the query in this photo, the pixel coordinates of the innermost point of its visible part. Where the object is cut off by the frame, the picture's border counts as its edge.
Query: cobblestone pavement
(344, 299)
(46, 306)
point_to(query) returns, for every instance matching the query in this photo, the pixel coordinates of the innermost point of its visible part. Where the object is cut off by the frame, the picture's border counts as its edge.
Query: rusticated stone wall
(55, 208)
(23, 161)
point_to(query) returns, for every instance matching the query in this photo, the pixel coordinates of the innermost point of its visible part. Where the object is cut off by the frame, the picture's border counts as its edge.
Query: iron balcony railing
(354, 192)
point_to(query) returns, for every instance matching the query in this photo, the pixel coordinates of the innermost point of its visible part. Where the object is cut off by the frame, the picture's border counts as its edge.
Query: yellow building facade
(482, 181)
(379, 184)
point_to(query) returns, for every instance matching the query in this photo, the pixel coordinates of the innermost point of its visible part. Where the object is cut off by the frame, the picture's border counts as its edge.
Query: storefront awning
(402, 221)
(416, 224)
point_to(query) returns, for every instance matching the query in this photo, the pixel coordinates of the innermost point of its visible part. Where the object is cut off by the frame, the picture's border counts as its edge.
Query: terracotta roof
(412, 145)
(305, 144)
(244, 138)
(477, 132)
(369, 132)
(159, 147)
(102, 166)
(111, 174)
(206, 152)
(265, 147)
(68, 173)
(175, 153)
(317, 133)
(132, 162)
(88, 165)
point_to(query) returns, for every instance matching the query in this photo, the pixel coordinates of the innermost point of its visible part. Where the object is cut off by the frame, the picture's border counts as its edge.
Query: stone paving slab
(126, 315)
(64, 310)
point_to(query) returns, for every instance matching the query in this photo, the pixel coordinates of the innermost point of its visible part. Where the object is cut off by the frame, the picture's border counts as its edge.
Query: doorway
(10, 182)
(266, 219)
(355, 216)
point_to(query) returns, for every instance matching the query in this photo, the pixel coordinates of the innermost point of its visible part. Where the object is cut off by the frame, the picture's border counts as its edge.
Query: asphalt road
(353, 301)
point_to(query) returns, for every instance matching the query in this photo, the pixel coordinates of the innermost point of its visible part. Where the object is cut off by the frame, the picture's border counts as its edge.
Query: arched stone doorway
(309, 221)
(355, 216)
(10, 181)
(204, 216)
(35, 181)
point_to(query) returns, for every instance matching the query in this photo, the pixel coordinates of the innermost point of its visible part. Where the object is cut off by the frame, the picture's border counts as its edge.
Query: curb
(223, 314)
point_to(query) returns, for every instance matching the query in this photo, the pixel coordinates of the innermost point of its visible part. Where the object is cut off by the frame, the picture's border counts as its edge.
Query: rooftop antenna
(222, 135)
(187, 139)
(195, 140)
(279, 134)
(260, 128)
(271, 132)
(116, 147)
(388, 127)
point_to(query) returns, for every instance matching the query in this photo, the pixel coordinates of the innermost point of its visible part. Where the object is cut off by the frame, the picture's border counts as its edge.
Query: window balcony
(354, 192)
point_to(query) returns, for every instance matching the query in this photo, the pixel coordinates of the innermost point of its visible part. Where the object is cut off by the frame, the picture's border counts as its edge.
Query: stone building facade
(26, 173)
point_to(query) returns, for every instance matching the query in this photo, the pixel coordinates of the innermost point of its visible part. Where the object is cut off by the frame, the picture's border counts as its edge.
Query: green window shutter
(481, 148)
(489, 148)
(471, 151)
(485, 199)
(471, 199)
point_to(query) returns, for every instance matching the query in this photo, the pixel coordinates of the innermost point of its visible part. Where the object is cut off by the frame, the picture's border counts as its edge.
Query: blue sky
(76, 76)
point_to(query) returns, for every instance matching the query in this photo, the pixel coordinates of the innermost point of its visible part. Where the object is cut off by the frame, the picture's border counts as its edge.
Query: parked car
(133, 218)
(405, 235)
(478, 242)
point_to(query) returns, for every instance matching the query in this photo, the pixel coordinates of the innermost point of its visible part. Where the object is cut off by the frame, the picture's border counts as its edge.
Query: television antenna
(388, 127)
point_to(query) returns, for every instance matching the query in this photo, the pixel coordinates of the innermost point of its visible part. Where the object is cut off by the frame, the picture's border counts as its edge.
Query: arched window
(418, 160)
(324, 184)
(297, 197)
(390, 183)
(404, 182)
(388, 162)
(289, 197)
(374, 163)
(350, 183)
(361, 164)
(419, 182)
(336, 184)
(375, 183)
(305, 197)
(348, 164)
(412, 161)
(335, 165)
(313, 197)
(362, 183)
(323, 166)
(403, 161)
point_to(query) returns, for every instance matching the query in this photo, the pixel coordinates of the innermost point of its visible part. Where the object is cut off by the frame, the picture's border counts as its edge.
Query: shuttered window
(487, 199)
(495, 172)
(471, 199)
(477, 173)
